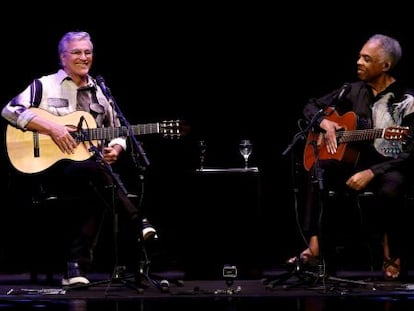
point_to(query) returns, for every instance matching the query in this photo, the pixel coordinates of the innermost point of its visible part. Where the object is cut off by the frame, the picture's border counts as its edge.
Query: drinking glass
(246, 148)
(202, 147)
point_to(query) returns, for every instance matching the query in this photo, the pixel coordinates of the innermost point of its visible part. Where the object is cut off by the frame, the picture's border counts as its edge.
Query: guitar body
(348, 121)
(31, 152)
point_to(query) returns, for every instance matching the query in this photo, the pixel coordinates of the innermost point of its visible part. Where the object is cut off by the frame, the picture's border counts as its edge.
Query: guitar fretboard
(112, 132)
(358, 135)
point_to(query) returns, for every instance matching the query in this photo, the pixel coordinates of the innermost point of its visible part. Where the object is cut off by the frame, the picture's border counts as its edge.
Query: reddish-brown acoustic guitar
(347, 134)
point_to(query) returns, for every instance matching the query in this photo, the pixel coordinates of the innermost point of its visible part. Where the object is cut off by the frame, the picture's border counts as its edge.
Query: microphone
(105, 90)
(341, 94)
(80, 134)
(79, 127)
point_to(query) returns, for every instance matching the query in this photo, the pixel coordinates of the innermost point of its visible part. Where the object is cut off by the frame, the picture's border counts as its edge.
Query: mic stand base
(312, 278)
(137, 282)
(145, 280)
(118, 277)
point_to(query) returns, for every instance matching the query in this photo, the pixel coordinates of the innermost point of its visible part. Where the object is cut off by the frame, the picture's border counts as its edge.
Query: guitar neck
(113, 132)
(358, 135)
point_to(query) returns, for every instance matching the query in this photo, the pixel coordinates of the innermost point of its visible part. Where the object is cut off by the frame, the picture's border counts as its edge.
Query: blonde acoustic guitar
(30, 152)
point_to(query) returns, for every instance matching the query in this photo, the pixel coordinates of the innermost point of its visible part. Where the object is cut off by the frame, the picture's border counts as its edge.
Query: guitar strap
(36, 90)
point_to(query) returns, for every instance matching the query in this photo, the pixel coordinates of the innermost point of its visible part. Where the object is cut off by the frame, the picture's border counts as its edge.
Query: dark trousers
(330, 178)
(99, 195)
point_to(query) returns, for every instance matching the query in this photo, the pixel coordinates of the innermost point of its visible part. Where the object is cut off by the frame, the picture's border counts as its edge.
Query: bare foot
(305, 256)
(391, 268)
(309, 253)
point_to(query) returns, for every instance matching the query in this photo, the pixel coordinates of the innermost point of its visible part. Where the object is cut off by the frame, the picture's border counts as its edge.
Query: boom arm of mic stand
(99, 156)
(108, 94)
(302, 134)
(136, 144)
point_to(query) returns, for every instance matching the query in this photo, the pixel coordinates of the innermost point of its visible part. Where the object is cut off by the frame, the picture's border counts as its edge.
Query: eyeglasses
(79, 53)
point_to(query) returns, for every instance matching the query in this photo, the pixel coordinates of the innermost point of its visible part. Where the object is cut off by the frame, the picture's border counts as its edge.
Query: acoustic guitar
(315, 143)
(31, 152)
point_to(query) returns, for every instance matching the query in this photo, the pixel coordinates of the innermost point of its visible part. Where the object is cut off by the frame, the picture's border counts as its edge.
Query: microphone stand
(137, 154)
(136, 145)
(297, 267)
(302, 134)
(273, 281)
(117, 275)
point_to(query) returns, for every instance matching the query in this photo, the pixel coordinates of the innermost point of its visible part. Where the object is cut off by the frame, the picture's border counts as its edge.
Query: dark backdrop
(229, 71)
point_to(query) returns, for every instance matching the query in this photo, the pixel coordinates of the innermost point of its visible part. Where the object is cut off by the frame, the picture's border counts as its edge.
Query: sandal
(391, 268)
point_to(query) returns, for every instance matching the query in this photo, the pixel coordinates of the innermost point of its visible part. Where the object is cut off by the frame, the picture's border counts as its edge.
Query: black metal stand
(136, 281)
(297, 269)
(314, 277)
(141, 162)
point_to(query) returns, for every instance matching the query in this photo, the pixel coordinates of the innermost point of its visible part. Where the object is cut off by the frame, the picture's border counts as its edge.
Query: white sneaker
(77, 280)
(73, 275)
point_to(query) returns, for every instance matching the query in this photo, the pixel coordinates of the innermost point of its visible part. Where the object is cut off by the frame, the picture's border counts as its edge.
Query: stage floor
(299, 291)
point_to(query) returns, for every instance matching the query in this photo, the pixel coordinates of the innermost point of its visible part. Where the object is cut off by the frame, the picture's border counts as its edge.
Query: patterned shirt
(58, 95)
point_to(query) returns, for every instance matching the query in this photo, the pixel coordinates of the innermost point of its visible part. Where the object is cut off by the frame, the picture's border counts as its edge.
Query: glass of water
(246, 148)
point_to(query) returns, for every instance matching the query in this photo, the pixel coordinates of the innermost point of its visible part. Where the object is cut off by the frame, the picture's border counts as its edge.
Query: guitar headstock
(173, 128)
(396, 132)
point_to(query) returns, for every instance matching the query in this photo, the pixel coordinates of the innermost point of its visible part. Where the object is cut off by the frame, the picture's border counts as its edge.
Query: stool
(365, 203)
(46, 233)
(350, 228)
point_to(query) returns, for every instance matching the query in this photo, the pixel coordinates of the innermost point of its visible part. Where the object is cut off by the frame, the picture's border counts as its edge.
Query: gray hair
(392, 51)
(72, 36)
